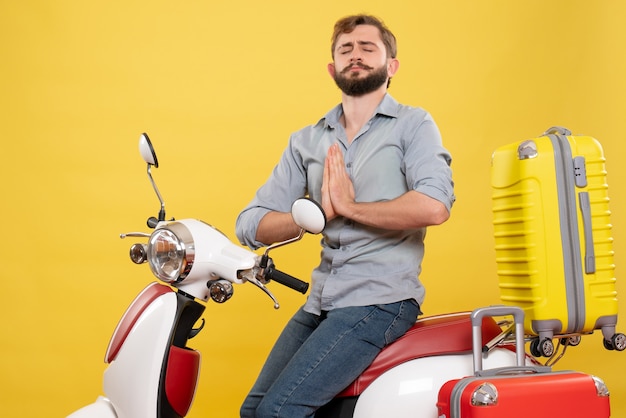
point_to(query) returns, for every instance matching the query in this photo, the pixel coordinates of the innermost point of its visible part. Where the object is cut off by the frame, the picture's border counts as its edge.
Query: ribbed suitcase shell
(521, 390)
(554, 249)
(554, 394)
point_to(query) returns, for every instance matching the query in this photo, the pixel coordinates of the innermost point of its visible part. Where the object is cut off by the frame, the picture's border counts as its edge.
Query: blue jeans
(316, 357)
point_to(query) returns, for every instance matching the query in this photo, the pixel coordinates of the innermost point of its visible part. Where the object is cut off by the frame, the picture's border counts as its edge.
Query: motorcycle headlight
(171, 252)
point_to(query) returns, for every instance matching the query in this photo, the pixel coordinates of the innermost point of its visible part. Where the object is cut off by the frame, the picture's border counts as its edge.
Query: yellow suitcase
(554, 250)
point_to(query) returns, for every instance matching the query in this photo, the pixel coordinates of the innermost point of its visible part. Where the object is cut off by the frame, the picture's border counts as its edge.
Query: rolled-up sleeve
(286, 184)
(427, 163)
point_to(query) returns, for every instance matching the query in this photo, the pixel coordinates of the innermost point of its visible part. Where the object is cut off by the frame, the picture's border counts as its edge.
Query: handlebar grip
(285, 279)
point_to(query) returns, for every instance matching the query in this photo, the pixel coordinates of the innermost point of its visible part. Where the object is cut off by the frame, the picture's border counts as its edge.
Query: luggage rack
(541, 344)
(545, 347)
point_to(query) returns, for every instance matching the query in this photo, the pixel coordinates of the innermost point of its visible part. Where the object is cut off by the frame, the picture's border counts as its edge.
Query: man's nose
(355, 55)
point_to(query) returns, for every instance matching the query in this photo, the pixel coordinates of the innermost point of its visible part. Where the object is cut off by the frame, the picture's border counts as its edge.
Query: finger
(326, 200)
(336, 162)
(325, 173)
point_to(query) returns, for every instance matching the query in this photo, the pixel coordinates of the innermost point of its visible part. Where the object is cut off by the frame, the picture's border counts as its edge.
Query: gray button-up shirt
(398, 150)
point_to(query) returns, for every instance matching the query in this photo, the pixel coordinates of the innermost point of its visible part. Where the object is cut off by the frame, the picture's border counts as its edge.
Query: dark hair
(348, 23)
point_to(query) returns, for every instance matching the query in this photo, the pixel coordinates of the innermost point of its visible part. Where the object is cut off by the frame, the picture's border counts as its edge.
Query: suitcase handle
(585, 210)
(477, 316)
(516, 370)
(558, 130)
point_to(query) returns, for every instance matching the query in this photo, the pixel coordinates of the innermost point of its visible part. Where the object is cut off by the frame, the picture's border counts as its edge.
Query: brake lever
(252, 279)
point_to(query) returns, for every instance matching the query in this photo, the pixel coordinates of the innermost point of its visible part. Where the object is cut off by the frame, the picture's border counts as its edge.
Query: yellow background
(219, 86)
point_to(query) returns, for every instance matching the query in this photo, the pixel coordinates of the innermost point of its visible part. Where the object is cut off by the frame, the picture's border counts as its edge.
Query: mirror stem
(280, 244)
(156, 189)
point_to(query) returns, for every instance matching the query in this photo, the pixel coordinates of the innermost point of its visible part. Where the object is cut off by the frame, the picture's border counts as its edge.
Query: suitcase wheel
(543, 347)
(617, 342)
(572, 341)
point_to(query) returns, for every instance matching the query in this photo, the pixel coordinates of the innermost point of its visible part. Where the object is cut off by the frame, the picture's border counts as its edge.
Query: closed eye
(345, 49)
(365, 46)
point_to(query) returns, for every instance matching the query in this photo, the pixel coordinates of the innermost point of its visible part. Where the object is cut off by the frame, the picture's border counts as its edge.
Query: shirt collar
(387, 107)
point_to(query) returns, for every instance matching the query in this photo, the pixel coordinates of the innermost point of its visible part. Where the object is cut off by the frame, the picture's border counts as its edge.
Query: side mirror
(308, 215)
(147, 150)
(149, 156)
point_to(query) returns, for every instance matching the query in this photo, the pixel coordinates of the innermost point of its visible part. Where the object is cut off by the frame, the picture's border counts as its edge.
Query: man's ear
(392, 67)
(331, 69)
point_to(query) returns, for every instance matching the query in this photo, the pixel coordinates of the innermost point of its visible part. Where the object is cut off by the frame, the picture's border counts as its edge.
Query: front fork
(181, 364)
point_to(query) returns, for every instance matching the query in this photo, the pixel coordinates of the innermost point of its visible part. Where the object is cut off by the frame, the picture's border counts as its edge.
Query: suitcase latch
(580, 172)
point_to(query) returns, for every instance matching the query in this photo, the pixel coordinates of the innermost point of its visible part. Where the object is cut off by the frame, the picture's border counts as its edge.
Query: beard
(353, 85)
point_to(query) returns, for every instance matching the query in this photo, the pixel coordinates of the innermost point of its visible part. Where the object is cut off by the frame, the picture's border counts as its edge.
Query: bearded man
(380, 172)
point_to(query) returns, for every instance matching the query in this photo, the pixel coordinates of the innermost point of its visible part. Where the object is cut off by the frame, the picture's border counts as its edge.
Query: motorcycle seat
(435, 335)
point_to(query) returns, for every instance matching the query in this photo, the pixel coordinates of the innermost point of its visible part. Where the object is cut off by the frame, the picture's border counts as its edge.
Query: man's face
(360, 61)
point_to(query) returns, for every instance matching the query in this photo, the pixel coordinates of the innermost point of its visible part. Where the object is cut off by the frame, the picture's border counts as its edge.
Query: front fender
(101, 408)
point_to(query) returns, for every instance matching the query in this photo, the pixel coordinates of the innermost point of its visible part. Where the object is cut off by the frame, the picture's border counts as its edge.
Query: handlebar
(285, 279)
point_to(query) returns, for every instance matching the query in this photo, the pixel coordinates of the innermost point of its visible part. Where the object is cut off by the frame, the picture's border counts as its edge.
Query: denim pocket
(407, 313)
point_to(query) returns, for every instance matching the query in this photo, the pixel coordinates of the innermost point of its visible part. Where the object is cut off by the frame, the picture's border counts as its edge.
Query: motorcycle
(152, 372)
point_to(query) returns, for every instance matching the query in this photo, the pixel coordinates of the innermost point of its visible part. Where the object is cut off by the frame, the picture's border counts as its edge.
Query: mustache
(356, 64)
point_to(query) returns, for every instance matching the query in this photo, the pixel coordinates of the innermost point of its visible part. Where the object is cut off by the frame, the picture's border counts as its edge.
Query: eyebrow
(351, 44)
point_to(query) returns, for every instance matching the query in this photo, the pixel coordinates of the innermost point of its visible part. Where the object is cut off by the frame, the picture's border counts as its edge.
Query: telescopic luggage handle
(477, 341)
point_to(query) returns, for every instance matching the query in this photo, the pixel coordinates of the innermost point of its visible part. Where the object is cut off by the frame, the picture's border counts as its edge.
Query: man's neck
(357, 110)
